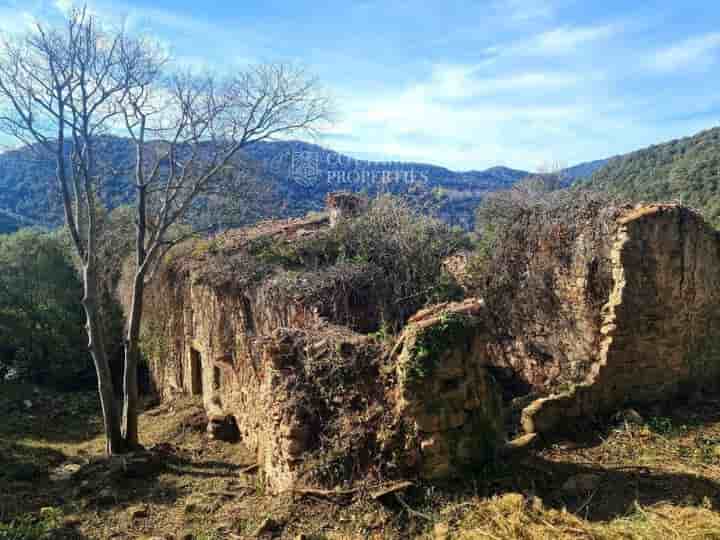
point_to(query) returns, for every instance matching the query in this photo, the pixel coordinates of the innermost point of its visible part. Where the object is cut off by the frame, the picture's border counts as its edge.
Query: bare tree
(63, 87)
(187, 135)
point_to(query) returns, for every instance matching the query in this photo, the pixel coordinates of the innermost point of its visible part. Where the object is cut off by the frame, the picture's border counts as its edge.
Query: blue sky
(465, 84)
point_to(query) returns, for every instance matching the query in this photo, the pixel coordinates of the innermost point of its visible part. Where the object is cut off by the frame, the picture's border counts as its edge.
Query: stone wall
(547, 286)
(447, 397)
(658, 338)
(616, 305)
(252, 361)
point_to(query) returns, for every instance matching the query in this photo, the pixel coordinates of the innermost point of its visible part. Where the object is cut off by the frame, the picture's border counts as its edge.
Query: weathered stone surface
(445, 396)
(618, 308)
(655, 332)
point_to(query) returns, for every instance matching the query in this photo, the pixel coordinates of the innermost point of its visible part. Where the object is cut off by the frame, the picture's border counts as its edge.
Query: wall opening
(217, 378)
(196, 386)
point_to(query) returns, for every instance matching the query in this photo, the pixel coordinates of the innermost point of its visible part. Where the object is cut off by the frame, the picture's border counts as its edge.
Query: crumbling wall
(322, 404)
(658, 334)
(273, 369)
(597, 308)
(448, 400)
(546, 287)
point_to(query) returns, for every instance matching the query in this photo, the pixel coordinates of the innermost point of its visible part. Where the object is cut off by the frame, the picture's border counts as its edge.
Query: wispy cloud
(697, 52)
(559, 41)
(452, 82)
(568, 39)
(468, 117)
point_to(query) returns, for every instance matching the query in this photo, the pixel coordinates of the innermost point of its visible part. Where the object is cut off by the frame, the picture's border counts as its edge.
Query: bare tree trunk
(111, 418)
(132, 352)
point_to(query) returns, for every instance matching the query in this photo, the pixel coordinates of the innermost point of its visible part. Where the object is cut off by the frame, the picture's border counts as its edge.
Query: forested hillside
(685, 169)
(296, 176)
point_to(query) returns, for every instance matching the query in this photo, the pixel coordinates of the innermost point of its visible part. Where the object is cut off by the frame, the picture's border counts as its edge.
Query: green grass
(30, 527)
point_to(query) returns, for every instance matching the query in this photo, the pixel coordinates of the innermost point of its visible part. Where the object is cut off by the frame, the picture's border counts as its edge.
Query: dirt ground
(653, 473)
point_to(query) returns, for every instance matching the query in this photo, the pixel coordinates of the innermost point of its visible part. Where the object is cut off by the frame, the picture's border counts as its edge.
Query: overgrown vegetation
(655, 479)
(685, 169)
(519, 224)
(433, 341)
(515, 517)
(29, 527)
(41, 320)
(392, 253)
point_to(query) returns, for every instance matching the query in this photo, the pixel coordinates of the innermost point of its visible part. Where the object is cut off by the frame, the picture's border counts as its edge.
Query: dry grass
(659, 479)
(514, 517)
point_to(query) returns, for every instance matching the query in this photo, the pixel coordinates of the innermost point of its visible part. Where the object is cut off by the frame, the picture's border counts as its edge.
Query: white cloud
(560, 41)
(452, 81)
(462, 118)
(697, 52)
(566, 39)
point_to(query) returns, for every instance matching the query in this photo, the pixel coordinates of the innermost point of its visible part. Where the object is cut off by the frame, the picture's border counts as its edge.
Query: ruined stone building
(621, 307)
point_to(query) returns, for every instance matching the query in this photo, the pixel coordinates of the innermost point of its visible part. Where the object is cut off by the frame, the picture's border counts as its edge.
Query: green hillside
(685, 169)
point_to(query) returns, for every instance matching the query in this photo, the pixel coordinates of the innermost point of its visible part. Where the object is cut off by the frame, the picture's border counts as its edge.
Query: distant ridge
(298, 175)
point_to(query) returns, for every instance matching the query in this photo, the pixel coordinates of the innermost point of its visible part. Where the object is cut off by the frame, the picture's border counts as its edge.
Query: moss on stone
(431, 342)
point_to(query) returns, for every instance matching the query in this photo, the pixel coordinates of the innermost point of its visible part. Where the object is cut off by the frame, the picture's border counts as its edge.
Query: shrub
(41, 318)
(30, 527)
(409, 248)
(400, 250)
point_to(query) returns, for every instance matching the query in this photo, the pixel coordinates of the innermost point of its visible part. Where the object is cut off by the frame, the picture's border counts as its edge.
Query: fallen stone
(266, 528)
(631, 416)
(138, 512)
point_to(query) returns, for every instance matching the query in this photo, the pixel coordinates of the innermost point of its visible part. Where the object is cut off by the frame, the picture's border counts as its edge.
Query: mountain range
(298, 175)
